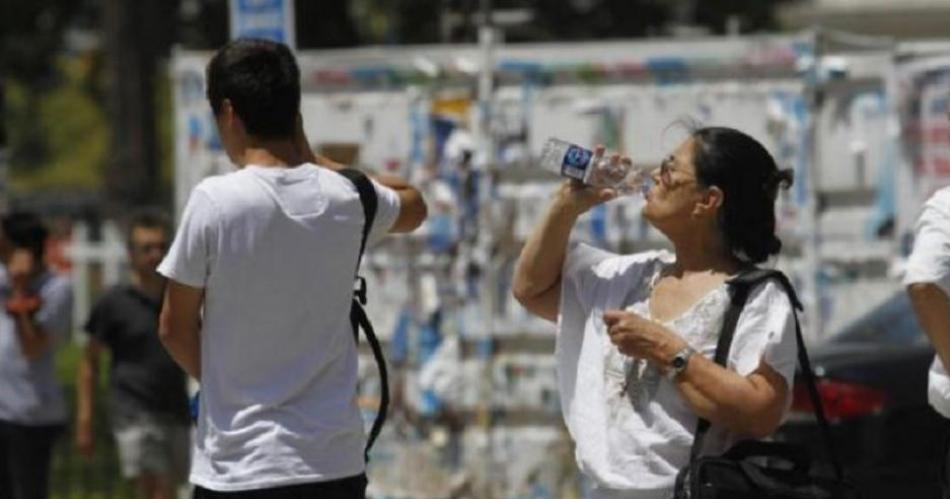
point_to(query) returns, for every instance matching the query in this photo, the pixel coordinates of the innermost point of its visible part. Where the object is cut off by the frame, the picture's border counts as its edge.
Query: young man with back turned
(260, 285)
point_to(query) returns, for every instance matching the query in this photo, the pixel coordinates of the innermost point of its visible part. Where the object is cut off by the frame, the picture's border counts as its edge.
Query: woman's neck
(700, 251)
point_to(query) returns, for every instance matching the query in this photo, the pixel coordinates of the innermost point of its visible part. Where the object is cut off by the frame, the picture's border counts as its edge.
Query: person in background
(34, 321)
(927, 278)
(637, 333)
(147, 399)
(260, 282)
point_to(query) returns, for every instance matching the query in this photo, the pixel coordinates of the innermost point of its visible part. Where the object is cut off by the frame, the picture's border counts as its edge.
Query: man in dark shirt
(148, 403)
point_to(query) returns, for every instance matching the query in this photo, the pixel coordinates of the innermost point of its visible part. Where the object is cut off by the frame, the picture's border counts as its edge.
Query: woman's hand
(636, 336)
(576, 198)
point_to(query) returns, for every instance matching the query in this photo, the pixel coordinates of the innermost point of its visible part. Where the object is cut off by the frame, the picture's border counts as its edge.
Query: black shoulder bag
(756, 469)
(358, 317)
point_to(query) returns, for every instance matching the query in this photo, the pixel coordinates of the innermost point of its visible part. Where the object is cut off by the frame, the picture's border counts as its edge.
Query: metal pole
(4, 166)
(814, 328)
(132, 44)
(486, 42)
(446, 18)
(485, 143)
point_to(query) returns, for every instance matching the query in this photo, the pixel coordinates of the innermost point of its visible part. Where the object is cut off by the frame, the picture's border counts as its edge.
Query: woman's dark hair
(262, 81)
(26, 231)
(749, 179)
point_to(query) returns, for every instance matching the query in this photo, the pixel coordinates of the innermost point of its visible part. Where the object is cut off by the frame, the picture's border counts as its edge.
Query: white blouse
(930, 259)
(632, 429)
(930, 262)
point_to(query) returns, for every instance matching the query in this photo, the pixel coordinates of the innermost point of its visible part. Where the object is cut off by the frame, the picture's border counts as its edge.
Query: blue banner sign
(268, 19)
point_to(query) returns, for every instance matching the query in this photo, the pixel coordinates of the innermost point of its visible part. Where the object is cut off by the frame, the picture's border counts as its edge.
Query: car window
(892, 322)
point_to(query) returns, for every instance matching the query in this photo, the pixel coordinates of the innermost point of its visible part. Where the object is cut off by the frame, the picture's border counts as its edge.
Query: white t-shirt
(632, 429)
(930, 259)
(275, 250)
(930, 262)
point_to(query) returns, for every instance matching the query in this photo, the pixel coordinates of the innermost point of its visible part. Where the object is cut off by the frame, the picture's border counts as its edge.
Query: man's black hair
(147, 218)
(25, 230)
(262, 81)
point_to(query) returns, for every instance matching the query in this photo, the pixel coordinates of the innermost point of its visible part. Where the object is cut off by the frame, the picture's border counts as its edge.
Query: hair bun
(778, 179)
(784, 178)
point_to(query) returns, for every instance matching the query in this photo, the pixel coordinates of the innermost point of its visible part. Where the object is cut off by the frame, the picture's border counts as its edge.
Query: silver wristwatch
(679, 362)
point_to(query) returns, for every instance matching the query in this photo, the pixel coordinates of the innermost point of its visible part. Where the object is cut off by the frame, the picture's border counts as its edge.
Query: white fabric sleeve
(938, 388)
(189, 259)
(766, 333)
(580, 274)
(55, 315)
(387, 210)
(930, 260)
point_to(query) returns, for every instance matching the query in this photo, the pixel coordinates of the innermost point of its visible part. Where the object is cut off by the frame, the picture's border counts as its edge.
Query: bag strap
(364, 186)
(739, 288)
(738, 294)
(358, 318)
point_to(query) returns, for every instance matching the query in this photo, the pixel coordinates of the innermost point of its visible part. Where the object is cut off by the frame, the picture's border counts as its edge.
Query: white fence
(96, 265)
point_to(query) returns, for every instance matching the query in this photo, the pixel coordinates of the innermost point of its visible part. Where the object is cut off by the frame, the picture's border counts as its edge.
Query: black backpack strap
(739, 290)
(738, 294)
(364, 186)
(358, 317)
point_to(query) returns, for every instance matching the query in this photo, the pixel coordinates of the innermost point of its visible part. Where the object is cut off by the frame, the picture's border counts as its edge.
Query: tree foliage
(73, 129)
(31, 36)
(54, 103)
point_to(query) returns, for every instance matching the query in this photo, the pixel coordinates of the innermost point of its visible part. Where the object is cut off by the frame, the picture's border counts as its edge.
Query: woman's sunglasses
(667, 168)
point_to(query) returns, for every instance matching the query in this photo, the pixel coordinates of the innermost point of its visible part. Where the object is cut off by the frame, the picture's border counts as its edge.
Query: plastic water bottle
(579, 163)
(193, 406)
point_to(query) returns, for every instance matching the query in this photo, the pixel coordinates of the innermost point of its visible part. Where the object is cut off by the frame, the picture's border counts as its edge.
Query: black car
(873, 384)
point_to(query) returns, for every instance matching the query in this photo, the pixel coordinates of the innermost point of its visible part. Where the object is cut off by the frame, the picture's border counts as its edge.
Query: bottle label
(575, 163)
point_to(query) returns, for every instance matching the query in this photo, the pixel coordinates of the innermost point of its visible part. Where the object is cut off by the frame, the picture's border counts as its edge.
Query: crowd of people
(252, 298)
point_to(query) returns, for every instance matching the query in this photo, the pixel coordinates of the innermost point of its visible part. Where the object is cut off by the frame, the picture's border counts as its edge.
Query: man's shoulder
(936, 209)
(336, 180)
(112, 298)
(116, 292)
(941, 199)
(215, 185)
(219, 195)
(235, 194)
(54, 282)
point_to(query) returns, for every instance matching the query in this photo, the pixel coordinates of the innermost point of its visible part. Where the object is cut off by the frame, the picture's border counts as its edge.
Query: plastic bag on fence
(442, 374)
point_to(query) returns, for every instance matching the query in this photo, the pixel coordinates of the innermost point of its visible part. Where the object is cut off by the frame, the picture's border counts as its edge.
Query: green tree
(753, 15)
(73, 131)
(30, 38)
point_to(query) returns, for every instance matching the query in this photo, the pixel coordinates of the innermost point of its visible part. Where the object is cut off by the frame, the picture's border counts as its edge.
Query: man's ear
(710, 201)
(232, 120)
(227, 113)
